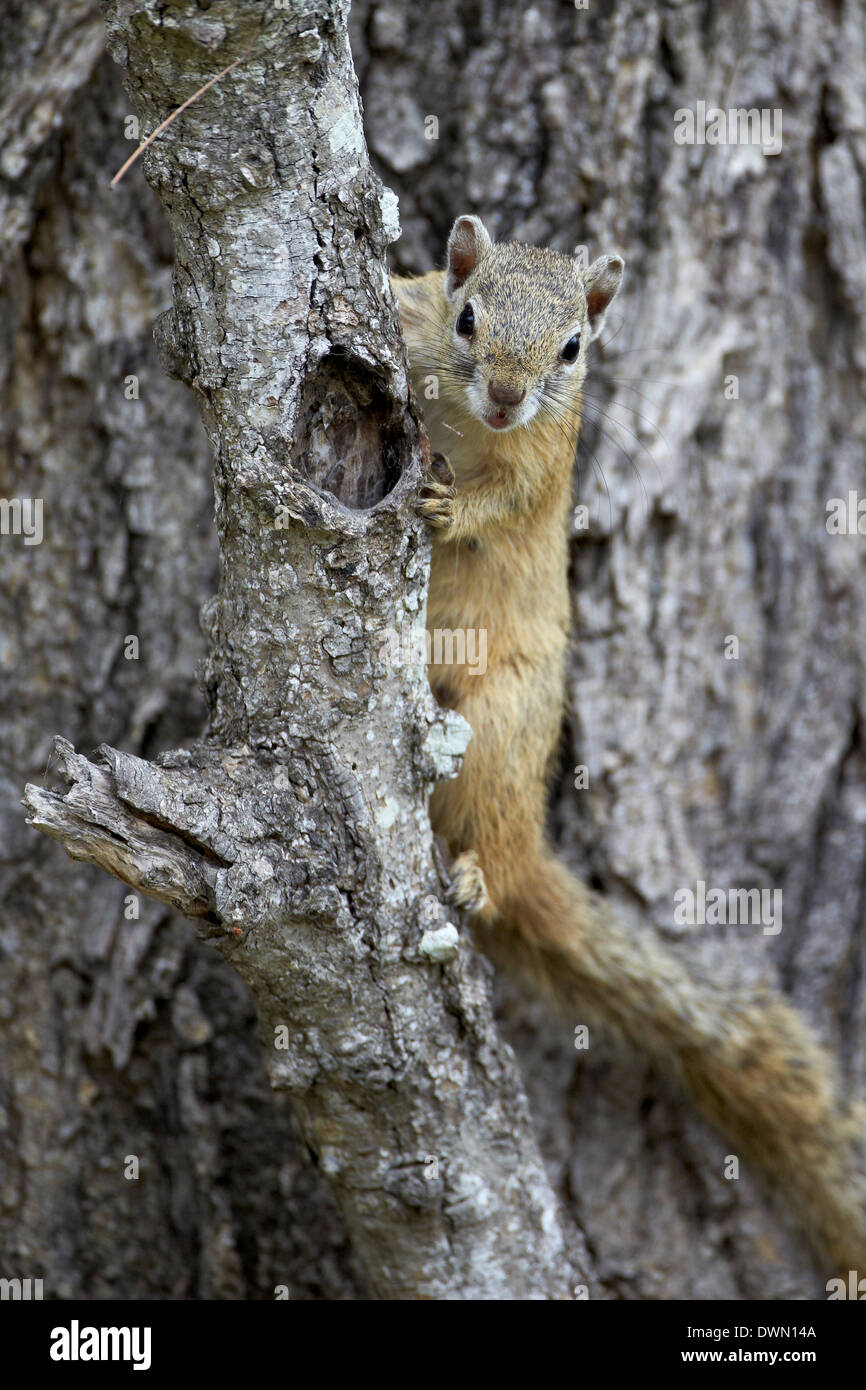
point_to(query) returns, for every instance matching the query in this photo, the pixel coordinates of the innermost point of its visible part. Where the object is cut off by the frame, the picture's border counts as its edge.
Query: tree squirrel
(505, 331)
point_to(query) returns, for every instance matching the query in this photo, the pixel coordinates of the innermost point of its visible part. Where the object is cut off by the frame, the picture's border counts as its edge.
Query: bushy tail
(748, 1061)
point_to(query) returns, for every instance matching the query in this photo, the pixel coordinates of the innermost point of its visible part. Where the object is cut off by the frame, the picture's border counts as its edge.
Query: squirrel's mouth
(498, 421)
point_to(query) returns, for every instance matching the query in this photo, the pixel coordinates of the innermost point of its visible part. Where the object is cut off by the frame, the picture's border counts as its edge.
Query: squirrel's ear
(468, 242)
(601, 283)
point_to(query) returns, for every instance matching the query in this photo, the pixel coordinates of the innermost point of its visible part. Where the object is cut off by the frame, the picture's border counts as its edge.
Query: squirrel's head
(521, 320)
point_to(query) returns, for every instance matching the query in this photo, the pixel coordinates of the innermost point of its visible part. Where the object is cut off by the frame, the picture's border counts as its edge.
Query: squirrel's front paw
(468, 889)
(436, 499)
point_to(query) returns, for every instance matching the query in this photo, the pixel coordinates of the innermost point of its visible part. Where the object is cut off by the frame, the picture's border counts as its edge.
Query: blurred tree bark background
(725, 408)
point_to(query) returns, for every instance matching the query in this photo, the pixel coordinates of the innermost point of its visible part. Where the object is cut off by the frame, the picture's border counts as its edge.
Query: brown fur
(500, 564)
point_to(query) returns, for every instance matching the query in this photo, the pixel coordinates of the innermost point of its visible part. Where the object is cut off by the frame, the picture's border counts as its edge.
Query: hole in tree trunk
(353, 444)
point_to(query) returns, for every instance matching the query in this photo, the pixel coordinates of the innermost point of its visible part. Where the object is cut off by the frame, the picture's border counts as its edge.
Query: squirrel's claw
(437, 493)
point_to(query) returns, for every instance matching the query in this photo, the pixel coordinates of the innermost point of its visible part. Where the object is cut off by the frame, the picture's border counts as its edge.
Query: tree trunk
(119, 1037)
(297, 830)
(725, 410)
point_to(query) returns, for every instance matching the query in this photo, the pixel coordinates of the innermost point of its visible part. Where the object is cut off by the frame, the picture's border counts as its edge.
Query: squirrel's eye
(466, 322)
(571, 349)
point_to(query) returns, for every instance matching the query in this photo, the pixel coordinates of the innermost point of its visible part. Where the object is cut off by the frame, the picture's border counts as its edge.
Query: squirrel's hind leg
(492, 813)
(468, 888)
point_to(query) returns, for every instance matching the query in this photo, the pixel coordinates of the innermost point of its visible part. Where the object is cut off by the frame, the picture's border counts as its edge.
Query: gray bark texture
(387, 1148)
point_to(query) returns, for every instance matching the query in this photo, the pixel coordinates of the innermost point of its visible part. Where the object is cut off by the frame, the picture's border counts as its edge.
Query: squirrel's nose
(504, 395)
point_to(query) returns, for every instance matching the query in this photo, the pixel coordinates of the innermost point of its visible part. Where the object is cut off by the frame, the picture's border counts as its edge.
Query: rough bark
(556, 125)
